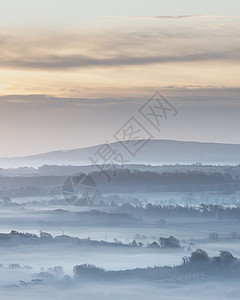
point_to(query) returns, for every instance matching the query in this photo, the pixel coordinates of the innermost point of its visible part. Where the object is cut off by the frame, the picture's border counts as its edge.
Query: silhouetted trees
(199, 257)
(170, 242)
(198, 265)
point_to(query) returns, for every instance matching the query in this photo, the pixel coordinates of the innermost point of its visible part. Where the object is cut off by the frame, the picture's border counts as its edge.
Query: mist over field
(171, 229)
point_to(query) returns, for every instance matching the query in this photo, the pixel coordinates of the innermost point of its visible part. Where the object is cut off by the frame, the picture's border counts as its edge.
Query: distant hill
(154, 152)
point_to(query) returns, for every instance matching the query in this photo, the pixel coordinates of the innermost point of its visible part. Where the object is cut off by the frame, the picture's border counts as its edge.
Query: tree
(153, 245)
(199, 256)
(45, 235)
(58, 270)
(227, 257)
(213, 236)
(170, 242)
(185, 260)
(87, 271)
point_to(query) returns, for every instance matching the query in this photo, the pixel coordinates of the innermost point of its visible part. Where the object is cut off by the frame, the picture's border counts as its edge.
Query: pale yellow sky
(110, 66)
(123, 54)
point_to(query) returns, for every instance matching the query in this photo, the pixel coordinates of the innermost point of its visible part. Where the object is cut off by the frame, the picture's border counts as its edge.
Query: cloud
(48, 101)
(54, 62)
(169, 17)
(178, 95)
(203, 39)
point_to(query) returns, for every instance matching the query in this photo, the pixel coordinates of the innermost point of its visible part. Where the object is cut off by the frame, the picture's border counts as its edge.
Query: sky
(73, 72)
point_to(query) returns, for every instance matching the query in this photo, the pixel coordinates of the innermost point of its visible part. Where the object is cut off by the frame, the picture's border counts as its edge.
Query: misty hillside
(155, 152)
